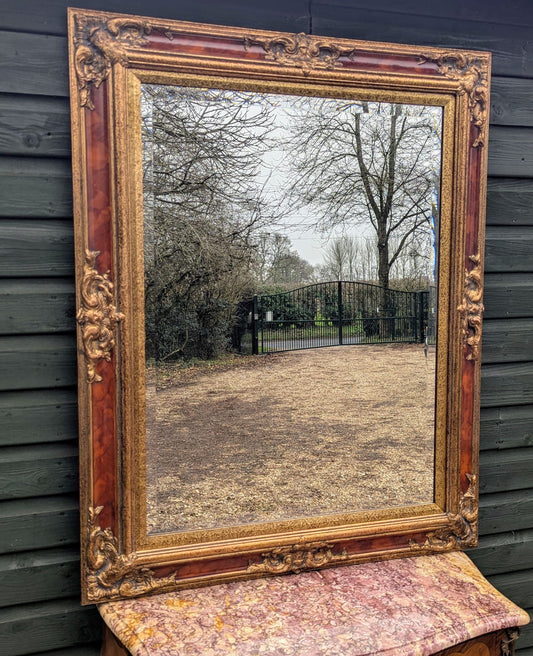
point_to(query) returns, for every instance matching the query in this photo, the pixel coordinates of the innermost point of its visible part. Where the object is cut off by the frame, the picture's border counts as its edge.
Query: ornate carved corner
(461, 532)
(472, 73)
(297, 558)
(472, 308)
(111, 575)
(97, 316)
(301, 50)
(99, 43)
(512, 635)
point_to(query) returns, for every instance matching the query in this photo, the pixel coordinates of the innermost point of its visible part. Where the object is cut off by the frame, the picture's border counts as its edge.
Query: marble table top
(406, 607)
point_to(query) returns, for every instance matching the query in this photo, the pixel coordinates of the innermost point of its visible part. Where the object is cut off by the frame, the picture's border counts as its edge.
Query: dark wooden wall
(39, 582)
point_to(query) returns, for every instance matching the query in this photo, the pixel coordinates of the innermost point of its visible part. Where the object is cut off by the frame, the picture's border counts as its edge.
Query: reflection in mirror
(275, 226)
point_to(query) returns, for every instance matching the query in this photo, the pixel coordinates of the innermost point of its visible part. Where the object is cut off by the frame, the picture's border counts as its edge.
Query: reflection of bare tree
(202, 204)
(277, 263)
(373, 164)
(217, 165)
(344, 259)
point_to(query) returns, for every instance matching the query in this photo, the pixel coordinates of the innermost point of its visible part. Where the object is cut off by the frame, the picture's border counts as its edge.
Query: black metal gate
(333, 313)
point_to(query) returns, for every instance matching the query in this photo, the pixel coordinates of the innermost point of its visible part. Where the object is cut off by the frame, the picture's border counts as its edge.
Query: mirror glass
(290, 305)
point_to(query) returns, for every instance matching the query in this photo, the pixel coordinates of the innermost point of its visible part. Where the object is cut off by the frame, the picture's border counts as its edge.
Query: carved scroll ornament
(473, 77)
(99, 44)
(472, 308)
(297, 558)
(301, 50)
(97, 316)
(461, 533)
(111, 575)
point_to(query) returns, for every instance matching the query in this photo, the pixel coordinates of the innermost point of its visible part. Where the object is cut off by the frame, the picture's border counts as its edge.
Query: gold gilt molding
(111, 575)
(297, 558)
(462, 530)
(99, 43)
(472, 308)
(301, 50)
(472, 73)
(97, 316)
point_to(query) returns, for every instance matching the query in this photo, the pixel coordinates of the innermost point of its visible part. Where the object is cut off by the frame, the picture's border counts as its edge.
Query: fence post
(416, 319)
(339, 308)
(421, 316)
(255, 326)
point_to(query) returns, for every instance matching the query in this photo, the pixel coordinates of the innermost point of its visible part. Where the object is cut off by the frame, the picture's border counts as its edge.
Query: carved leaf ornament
(473, 77)
(297, 558)
(462, 530)
(100, 44)
(97, 316)
(472, 308)
(301, 50)
(111, 574)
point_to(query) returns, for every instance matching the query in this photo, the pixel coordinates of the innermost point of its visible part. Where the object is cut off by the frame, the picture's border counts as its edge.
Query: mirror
(274, 201)
(279, 243)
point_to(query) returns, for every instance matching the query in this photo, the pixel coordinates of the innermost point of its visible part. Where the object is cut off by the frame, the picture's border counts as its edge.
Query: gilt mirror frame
(110, 55)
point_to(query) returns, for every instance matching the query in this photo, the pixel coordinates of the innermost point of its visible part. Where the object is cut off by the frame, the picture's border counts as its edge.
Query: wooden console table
(418, 606)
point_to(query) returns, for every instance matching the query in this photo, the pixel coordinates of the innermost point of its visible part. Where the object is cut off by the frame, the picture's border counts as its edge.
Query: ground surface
(287, 435)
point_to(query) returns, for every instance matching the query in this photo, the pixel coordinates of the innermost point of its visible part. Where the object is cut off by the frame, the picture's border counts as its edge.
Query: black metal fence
(334, 313)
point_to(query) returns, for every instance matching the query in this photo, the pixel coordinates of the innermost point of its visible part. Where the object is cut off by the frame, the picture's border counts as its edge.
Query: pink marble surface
(407, 607)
